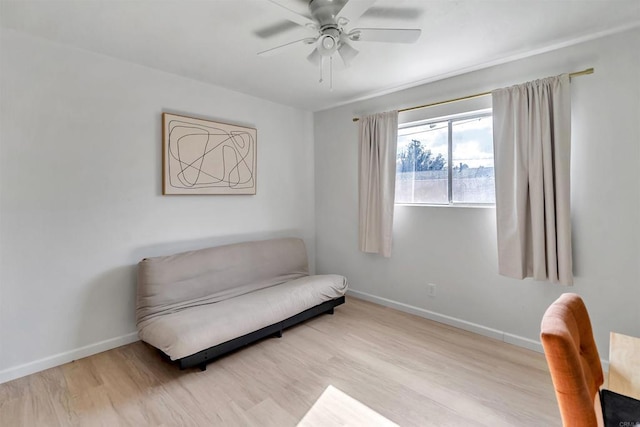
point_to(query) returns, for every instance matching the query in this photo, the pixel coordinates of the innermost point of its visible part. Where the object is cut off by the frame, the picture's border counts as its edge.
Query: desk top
(624, 365)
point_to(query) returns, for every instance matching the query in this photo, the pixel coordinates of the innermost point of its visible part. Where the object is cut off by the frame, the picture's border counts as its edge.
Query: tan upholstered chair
(573, 360)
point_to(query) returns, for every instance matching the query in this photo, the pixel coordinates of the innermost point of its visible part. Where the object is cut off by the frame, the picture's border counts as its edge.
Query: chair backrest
(573, 360)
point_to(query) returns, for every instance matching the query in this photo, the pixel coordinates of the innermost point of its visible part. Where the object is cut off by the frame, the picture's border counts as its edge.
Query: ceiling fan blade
(275, 29)
(294, 16)
(387, 35)
(354, 9)
(347, 53)
(405, 13)
(314, 57)
(277, 49)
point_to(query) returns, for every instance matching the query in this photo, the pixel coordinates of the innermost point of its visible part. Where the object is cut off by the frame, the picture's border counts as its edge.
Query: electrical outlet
(431, 290)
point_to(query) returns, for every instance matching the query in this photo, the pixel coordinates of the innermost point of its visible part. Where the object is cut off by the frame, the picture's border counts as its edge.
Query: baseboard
(62, 358)
(522, 342)
(432, 315)
(458, 323)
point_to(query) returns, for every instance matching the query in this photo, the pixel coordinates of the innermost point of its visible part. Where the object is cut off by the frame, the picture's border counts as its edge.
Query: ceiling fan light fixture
(347, 53)
(327, 44)
(314, 57)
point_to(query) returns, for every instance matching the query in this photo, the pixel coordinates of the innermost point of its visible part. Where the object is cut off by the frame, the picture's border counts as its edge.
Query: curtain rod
(477, 95)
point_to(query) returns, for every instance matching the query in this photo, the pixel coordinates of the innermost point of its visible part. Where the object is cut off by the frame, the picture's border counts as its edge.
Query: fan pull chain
(331, 73)
(321, 67)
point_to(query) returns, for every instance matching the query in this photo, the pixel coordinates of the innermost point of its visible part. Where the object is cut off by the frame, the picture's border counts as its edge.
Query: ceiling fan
(331, 20)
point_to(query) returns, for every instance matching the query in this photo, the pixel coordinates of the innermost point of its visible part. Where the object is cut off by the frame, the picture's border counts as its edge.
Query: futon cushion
(184, 332)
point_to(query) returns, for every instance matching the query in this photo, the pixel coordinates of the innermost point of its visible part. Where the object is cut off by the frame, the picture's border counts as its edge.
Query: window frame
(468, 115)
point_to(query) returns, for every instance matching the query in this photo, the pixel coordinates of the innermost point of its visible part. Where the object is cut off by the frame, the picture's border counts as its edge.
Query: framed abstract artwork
(204, 157)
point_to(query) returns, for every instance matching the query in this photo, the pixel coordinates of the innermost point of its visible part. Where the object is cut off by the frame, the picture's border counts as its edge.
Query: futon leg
(278, 334)
(330, 311)
(203, 367)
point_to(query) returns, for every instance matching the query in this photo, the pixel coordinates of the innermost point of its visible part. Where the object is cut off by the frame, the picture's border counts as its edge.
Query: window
(426, 175)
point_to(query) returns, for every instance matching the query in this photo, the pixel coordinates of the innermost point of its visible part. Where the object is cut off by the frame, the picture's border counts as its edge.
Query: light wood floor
(413, 371)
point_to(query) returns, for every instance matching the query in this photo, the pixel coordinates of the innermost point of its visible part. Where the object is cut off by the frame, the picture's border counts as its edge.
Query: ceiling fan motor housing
(325, 11)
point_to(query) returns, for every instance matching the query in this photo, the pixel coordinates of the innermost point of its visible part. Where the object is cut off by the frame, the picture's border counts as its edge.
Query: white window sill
(449, 205)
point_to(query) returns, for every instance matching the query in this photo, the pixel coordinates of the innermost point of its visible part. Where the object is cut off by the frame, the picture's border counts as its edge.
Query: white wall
(80, 199)
(455, 248)
(80, 192)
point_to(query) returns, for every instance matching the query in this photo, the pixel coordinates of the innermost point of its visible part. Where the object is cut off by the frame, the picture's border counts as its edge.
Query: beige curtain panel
(378, 139)
(532, 148)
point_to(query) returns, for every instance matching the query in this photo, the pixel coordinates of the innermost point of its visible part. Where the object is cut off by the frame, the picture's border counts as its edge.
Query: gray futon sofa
(195, 306)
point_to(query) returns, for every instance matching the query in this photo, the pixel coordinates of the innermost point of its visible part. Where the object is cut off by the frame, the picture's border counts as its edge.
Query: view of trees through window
(424, 174)
(415, 158)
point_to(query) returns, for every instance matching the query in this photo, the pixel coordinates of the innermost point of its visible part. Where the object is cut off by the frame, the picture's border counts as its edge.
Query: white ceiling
(216, 41)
